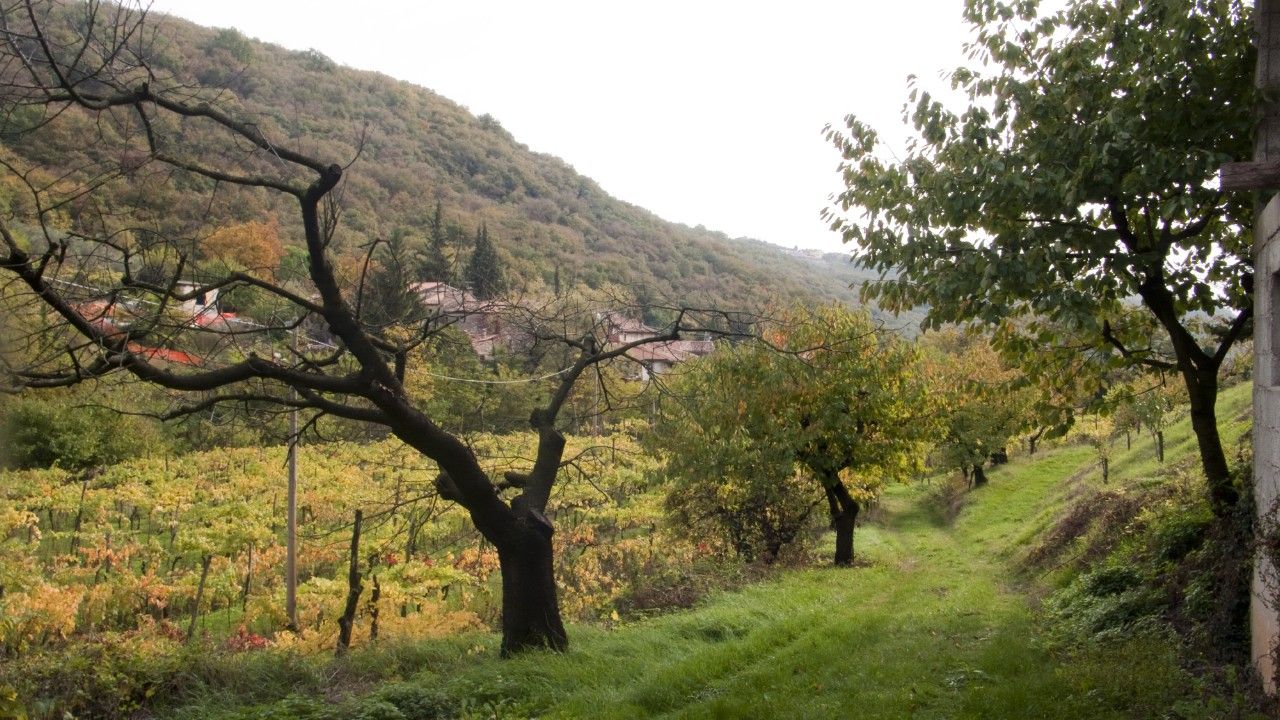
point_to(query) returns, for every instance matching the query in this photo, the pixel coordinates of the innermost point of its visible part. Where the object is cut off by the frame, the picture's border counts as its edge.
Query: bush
(377, 710)
(114, 677)
(40, 433)
(414, 701)
(1108, 603)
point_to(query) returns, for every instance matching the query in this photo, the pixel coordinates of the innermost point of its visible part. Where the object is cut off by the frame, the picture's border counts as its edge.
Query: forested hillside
(256, 463)
(412, 150)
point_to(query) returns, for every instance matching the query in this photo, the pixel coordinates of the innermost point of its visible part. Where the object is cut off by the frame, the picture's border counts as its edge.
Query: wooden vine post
(354, 587)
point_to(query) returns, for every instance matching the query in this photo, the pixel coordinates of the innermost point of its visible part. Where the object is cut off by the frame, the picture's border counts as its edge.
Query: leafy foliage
(423, 166)
(1079, 175)
(42, 432)
(982, 404)
(836, 407)
(1096, 121)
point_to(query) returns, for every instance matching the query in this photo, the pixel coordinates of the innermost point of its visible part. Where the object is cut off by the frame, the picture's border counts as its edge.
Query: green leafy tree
(981, 403)
(862, 408)
(729, 446)
(835, 399)
(1079, 175)
(484, 269)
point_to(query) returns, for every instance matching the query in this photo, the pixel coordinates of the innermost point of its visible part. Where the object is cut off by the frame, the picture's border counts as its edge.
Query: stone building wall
(1264, 613)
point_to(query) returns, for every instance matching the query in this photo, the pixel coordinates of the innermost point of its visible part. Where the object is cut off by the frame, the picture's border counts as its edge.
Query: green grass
(932, 625)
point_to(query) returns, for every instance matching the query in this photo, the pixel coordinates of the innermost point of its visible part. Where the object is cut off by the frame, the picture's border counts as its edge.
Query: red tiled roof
(621, 323)
(165, 354)
(671, 351)
(446, 297)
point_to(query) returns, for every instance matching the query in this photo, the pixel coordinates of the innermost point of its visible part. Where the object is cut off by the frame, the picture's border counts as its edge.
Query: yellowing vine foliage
(122, 549)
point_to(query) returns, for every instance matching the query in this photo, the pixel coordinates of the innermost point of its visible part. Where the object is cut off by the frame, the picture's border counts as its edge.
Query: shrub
(44, 432)
(414, 701)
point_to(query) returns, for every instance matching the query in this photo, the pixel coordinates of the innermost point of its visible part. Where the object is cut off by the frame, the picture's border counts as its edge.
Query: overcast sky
(704, 112)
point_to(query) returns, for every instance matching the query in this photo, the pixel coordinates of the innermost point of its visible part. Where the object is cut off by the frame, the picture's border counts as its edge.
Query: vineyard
(191, 549)
(321, 398)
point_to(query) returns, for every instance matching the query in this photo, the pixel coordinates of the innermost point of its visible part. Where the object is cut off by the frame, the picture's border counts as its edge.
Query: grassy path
(931, 627)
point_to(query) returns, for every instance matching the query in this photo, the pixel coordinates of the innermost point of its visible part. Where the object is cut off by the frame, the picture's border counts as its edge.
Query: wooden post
(354, 587)
(373, 610)
(291, 516)
(248, 580)
(195, 608)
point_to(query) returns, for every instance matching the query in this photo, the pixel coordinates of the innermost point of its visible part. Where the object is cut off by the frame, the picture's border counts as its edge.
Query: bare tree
(97, 268)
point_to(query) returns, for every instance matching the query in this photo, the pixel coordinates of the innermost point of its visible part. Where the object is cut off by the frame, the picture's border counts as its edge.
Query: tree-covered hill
(412, 150)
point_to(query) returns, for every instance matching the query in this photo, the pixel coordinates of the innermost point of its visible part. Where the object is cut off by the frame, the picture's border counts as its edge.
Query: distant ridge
(420, 149)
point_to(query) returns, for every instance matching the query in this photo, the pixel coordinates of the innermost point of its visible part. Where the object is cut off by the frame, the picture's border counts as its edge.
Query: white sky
(705, 112)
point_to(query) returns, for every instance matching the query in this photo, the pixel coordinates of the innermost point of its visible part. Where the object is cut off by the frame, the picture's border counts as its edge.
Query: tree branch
(1139, 356)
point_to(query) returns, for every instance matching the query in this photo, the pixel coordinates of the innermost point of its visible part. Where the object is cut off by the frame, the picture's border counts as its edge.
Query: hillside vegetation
(935, 623)
(937, 620)
(412, 150)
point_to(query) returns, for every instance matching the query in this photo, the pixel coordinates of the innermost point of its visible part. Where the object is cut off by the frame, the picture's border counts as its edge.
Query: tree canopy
(1077, 177)
(833, 399)
(100, 256)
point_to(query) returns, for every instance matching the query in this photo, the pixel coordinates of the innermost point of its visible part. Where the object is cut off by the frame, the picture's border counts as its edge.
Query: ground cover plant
(937, 622)
(937, 616)
(1050, 483)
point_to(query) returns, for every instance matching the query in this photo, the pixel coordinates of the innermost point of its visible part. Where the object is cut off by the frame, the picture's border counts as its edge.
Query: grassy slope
(931, 627)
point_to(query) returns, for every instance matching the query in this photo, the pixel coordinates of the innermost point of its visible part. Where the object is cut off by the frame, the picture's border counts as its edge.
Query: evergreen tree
(435, 259)
(484, 271)
(387, 299)
(455, 239)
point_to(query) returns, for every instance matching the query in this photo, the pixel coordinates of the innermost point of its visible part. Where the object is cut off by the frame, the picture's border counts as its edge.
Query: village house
(489, 327)
(481, 321)
(652, 358)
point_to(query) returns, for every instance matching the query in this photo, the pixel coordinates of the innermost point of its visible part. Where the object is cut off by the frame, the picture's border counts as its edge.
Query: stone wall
(1264, 613)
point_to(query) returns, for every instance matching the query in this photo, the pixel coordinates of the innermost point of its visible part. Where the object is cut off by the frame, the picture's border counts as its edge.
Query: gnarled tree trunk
(844, 516)
(530, 609)
(979, 477)
(521, 533)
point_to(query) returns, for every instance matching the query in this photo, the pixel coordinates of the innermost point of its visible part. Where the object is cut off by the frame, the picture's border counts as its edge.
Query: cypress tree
(435, 259)
(484, 271)
(387, 298)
